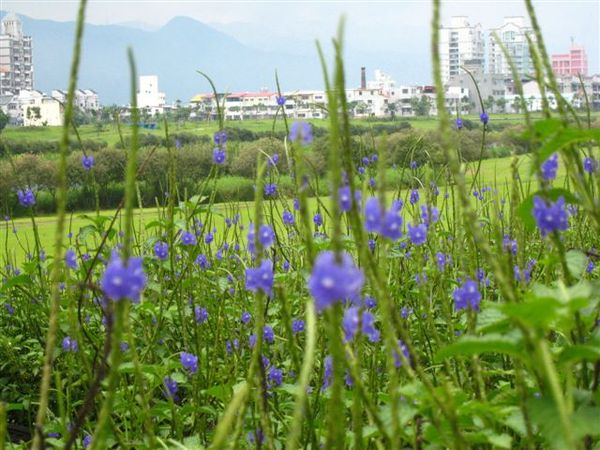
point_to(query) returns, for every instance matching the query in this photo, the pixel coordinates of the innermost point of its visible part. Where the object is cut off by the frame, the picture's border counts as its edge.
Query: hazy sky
(381, 25)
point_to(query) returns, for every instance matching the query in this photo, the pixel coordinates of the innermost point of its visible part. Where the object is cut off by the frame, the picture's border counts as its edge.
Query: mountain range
(182, 46)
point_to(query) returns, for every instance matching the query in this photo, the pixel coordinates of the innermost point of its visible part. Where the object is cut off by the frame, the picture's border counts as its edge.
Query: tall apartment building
(460, 44)
(16, 58)
(573, 63)
(513, 34)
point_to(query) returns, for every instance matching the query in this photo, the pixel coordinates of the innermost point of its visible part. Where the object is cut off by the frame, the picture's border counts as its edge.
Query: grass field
(492, 171)
(109, 133)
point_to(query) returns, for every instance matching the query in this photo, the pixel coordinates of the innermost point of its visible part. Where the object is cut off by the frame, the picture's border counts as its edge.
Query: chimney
(363, 78)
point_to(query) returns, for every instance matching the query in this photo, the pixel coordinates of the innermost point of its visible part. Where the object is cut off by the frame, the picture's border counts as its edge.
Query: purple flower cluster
(388, 224)
(71, 259)
(161, 250)
(301, 131)
(123, 279)
(467, 296)
(87, 161)
(550, 167)
(260, 278)
(352, 321)
(332, 281)
(219, 155)
(70, 345)
(550, 216)
(189, 361)
(26, 197)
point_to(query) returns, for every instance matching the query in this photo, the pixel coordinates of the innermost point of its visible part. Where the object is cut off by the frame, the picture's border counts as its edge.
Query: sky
(380, 25)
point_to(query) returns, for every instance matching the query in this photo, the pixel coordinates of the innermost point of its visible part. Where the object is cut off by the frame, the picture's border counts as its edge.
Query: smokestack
(363, 78)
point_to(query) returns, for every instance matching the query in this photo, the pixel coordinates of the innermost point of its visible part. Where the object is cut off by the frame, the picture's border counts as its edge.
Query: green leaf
(590, 352)
(565, 137)
(576, 262)
(475, 345)
(19, 280)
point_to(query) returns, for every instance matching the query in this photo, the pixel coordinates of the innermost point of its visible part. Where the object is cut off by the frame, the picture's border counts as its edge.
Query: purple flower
(372, 245)
(170, 390)
(413, 165)
(123, 279)
(256, 437)
(331, 281)
(246, 316)
(270, 190)
(297, 326)
(509, 244)
(275, 376)
(260, 277)
(273, 160)
(345, 198)
(441, 260)
(318, 219)
(220, 137)
(178, 144)
(188, 238)
(467, 296)
(87, 440)
(161, 250)
(327, 372)
(201, 315)
(484, 118)
(373, 215)
(219, 156)
(70, 345)
(26, 197)
(189, 362)
(590, 165)
(288, 218)
(351, 321)
(280, 100)
(458, 123)
(590, 267)
(392, 223)
(417, 234)
(87, 162)
(301, 131)
(404, 350)
(550, 216)
(414, 196)
(202, 261)
(296, 204)
(361, 170)
(266, 235)
(71, 259)
(435, 214)
(268, 334)
(550, 167)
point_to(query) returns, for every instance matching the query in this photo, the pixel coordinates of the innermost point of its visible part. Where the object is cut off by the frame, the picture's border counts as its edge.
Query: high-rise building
(573, 63)
(513, 34)
(16, 58)
(461, 44)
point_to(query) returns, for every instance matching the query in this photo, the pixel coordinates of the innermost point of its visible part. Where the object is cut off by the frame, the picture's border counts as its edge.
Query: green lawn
(493, 172)
(109, 133)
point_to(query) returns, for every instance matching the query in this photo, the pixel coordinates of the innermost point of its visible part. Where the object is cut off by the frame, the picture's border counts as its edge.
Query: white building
(148, 96)
(513, 34)
(85, 99)
(37, 109)
(461, 43)
(16, 57)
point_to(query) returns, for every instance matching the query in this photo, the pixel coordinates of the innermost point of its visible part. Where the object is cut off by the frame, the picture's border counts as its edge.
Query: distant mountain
(174, 53)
